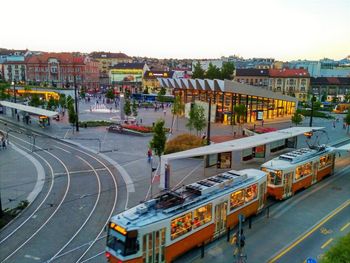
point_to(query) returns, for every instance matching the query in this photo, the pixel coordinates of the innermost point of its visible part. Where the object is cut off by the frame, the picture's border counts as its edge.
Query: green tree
(127, 108)
(177, 109)
(297, 118)
(347, 97)
(145, 91)
(317, 105)
(347, 120)
(227, 70)
(69, 102)
(198, 71)
(35, 101)
(134, 108)
(338, 253)
(62, 100)
(213, 72)
(71, 114)
(335, 99)
(200, 120)
(52, 104)
(161, 95)
(196, 119)
(324, 96)
(83, 92)
(3, 90)
(157, 144)
(240, 112)
(110, 94)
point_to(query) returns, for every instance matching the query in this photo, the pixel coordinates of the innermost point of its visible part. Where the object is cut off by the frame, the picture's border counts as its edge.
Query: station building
(224, 95)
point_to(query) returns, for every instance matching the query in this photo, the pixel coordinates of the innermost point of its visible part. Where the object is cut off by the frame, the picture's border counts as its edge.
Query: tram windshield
(124, 243)
(274, 177)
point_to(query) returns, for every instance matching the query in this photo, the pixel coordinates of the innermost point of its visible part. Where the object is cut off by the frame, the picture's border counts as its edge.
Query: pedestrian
(17, 117)
(3, 143)
(140, 120)
(262, 123)
(149, 155)
(164, 112)
(334, 124)
(344, 125)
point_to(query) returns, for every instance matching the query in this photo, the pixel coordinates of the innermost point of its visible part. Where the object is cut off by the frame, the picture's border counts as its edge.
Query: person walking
(149, 155)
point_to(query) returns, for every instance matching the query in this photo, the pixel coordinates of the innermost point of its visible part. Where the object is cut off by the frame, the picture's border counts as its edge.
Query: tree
(227, 70)
(3, 90)
(340, 252)
(196, 119)
(347, 97)
(161, 94)
(335, 99)
(145, 91)
(347, 120)
(324, 96)
(200, 120)
(71, 114)
(52, 103)
(127, 108)
(213, 72)
(240, 112)
(177, 109)
(157, 144)
(110, 94)
(35, 101)
(198, 71)
(134, 108)
(297, 118)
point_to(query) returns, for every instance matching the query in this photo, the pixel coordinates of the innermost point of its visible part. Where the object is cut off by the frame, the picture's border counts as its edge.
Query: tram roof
(242, 143)
(158, 209)
(345, 148)
(223, 86)
(30, 109)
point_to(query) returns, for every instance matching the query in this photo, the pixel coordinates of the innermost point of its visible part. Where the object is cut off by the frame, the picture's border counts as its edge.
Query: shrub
(183, 142)
(94, 123)
(264, 129)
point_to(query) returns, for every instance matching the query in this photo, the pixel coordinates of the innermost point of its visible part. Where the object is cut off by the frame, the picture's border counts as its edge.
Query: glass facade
(226, 101)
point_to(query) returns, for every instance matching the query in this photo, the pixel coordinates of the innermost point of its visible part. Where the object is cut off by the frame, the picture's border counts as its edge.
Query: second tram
(298, 169)
(163, 228)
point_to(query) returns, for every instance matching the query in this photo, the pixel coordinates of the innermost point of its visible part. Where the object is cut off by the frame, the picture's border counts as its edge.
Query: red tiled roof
(63, 58)
(289, 73)
(333, 80)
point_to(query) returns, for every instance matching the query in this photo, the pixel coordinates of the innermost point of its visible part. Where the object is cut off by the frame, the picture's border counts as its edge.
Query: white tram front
(163, 228)
(298, 169)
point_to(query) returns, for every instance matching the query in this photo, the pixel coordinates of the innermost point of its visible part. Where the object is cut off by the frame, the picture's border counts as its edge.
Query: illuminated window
(181, 225)
(303, 170)
(325, 161)
(237, 199)
(202, 216)
(273, 177)
(251, 193)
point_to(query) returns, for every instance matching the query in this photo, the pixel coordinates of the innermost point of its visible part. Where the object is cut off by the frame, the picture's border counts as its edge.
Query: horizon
(283, 30)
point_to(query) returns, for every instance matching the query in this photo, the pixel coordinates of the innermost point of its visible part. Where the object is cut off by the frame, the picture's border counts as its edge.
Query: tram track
(53, 213)
(110, 213)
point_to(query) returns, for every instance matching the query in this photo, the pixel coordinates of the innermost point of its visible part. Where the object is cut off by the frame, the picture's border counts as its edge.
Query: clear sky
(282, 29)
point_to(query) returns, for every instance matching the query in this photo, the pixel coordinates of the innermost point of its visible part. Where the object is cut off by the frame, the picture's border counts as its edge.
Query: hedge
(183, 142)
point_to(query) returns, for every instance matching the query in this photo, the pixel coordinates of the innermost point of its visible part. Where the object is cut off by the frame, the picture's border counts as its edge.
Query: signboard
(260, 115)
(224, 161)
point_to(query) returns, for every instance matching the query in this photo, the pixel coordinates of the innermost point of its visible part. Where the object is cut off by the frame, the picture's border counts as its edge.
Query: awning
(30, 109)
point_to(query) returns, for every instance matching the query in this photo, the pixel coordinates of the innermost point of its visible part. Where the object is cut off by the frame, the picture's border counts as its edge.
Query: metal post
(250, 222)
(312, 109)
(209, 116)
(76, 104)
(202, 250)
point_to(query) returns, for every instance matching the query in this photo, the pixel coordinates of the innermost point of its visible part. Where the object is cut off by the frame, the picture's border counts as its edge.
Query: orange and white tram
(298, 169)
(163, 228)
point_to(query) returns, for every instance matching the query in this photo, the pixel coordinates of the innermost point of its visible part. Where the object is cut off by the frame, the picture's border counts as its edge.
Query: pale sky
(282, 29)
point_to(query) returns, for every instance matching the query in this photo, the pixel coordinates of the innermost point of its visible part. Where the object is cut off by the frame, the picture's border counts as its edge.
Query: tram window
(116, 242)
(325, 160)
(274, 177)
(202, 216)
(251, 193)
(237, 199)
(181, 225)
(303, 170)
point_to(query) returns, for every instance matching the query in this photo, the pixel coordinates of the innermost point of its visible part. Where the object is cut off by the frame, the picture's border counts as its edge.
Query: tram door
(288, 180)
(220, 218)
(314, 174)
(153, 247)
(262, 191)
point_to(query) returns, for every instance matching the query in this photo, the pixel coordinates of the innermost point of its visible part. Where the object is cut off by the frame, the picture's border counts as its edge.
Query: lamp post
(14, 93)
(76, 103)
(152, 170)
(312, 109)
(208, 126)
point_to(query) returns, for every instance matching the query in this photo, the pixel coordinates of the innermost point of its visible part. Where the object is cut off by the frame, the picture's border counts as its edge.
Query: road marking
(325, 231)
(61, 149)
(327, 243)
(32, 257)
(344, 227)
(309, 232)
(81, 171)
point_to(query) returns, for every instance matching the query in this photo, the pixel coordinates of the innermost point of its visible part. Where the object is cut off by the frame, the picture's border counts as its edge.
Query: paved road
(80, 193)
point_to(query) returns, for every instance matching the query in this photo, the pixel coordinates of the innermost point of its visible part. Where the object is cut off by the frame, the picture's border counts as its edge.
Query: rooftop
(252, 72)
(289, 73)
(128, 66)
(102, 54)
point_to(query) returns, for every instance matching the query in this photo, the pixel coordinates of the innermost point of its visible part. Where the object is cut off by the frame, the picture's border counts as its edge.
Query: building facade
(105, 61)
(330, 87)
(224, 95)
(150, 79)
(14, 71)
(292, 82)
(63, 70)
(127, 76)
(255, 77)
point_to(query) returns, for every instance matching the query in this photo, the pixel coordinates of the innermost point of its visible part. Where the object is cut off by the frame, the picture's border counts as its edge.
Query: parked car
(116, 128)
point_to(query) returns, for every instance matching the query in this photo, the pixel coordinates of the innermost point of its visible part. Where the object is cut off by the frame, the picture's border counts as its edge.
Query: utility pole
(208, 126)
(312, 109)
(76, 103)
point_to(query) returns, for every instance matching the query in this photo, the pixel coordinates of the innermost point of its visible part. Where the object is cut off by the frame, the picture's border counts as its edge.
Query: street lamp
(14, 93)
(152, 170)
(312, 109)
